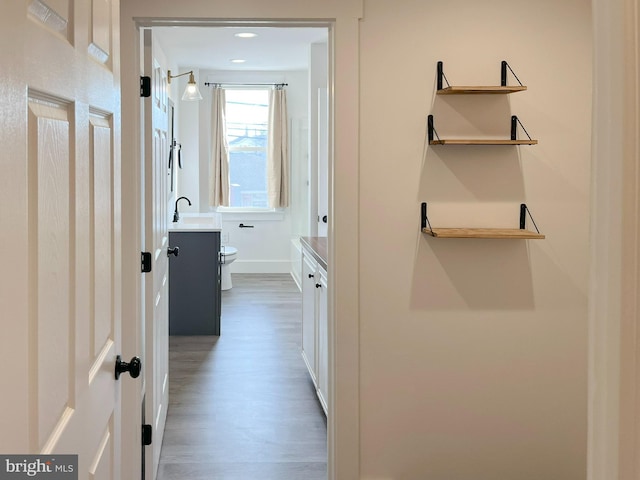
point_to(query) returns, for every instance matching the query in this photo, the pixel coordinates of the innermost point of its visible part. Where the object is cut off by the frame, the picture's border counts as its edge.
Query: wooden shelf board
(479, 90)
(482, 142)
(497, 233)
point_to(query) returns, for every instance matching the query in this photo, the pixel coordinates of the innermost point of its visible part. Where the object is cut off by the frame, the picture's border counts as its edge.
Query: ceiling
(213, 48)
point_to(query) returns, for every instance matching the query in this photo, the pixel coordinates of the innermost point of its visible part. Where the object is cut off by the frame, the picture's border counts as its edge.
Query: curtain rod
(208, 84)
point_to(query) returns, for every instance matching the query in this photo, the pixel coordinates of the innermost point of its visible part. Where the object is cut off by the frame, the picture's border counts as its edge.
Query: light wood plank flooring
(242, 405)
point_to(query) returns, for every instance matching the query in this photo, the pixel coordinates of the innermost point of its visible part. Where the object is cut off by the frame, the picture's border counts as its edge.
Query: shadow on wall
(478, 274)
(472, 173)
(486, 274)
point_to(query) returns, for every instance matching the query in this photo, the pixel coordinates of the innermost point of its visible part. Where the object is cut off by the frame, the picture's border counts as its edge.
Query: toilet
(227, 255)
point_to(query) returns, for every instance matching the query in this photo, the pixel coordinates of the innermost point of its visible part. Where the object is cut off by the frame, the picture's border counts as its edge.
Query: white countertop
(197, 222)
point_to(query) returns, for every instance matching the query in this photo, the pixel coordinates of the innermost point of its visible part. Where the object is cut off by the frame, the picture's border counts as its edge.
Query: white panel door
(156, 110)
(60, 232)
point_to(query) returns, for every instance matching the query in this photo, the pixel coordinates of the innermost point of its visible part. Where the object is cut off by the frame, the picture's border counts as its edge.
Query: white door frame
(343, 426)
(614, 313)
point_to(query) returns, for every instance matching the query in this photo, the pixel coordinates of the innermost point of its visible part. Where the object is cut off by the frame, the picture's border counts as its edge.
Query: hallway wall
(474, 352)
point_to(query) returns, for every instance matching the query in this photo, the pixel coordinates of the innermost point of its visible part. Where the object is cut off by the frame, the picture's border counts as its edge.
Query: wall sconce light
(191, 92)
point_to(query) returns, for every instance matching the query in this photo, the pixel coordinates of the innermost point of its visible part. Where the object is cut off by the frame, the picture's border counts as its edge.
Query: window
(247, 115)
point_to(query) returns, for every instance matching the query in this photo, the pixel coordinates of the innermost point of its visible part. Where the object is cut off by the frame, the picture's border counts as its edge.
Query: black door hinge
(145, 86)
(145, 262)
(147, 434)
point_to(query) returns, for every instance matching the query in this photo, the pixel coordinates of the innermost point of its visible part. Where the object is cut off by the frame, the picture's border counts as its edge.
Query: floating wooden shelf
(482, 142)
(468, 90)
(496, 233)
(501, 89)
(434, 139)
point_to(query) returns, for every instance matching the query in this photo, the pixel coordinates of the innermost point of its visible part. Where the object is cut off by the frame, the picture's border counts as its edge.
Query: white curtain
(219, 169)
(278, 150)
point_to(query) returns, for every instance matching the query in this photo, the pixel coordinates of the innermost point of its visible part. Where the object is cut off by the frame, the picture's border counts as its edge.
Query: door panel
(100, 31)
(101, 234)
(50, 260)
(101, 466)
(59, 292)
(52, 14)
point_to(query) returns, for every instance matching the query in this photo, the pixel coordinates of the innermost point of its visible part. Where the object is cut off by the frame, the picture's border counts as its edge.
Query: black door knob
(173, 251)
(324, 219)
(133, 367)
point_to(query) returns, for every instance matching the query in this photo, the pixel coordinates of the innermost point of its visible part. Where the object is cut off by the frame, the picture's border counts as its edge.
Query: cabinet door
(194, 284)
(323, 340)
(309, 314)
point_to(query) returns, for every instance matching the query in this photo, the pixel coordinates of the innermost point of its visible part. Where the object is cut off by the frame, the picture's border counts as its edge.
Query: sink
(200, 219)
(197, 221)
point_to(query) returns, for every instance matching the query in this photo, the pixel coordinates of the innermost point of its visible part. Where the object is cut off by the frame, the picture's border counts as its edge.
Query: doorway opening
(310, 144)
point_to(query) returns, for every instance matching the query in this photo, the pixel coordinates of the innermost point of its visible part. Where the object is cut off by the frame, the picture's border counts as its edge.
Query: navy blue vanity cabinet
(194, 283)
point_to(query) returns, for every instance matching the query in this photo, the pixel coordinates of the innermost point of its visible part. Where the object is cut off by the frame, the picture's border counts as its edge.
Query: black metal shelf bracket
(524, 211)
(441, 76)
(515, 121)
(431, 131)
(503, 74)
(424, 220)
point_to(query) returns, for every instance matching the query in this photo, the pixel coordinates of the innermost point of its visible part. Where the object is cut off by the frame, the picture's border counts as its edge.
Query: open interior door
(156, 148)
(60, 296)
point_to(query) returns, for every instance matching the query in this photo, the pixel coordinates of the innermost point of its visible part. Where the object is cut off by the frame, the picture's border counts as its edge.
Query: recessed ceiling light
(238, 60)
(246, 35)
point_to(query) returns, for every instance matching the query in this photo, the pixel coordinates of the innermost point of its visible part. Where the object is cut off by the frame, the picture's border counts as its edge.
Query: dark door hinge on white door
(145, 86)
(147, 434)
(145, 262)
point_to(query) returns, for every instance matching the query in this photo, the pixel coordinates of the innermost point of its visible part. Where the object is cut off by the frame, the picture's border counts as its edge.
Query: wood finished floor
(242, 405)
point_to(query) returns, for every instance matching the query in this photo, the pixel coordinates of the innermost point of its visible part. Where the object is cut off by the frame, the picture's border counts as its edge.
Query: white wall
(265, 248)
(174, 91)
(189, 136)
(474, 352)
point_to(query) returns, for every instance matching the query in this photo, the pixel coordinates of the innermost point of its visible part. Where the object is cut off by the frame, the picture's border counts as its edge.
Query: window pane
(248, 179)
(247, 118)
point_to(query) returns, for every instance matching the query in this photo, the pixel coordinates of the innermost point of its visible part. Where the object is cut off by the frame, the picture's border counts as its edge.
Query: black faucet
(176, 215)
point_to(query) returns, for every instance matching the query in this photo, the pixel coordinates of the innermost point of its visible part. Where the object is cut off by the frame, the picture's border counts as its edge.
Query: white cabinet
(309, 267)
(314, 324)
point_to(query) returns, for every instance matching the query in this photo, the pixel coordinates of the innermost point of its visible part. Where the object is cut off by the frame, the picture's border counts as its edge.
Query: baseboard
(296, 280)
(261, 266)
(296, 261)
